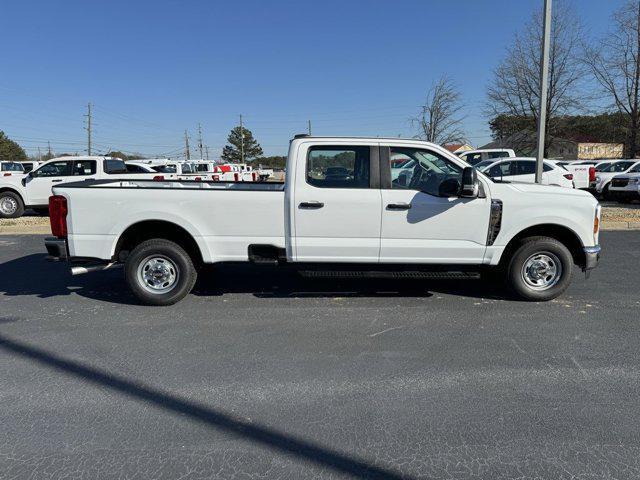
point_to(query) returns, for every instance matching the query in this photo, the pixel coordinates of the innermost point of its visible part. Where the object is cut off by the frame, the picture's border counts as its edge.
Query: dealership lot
(264, 374)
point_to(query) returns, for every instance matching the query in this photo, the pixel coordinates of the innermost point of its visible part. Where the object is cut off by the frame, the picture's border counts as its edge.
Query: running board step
(390, 274)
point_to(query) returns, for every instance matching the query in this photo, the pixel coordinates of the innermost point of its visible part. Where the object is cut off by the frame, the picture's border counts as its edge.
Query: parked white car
(472, 157)
(444, 221)
(626, 187)
(606, 172)
(584, 175)
(524, 170)
(34, 189)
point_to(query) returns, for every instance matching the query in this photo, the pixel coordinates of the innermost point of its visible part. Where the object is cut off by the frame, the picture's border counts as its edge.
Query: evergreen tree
(232, 152)
(10, 150)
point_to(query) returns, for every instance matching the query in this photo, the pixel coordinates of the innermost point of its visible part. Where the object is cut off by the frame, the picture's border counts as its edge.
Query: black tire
(550, 253)
(163, 256)
(44, 211)
(11, 205)
(605, 195)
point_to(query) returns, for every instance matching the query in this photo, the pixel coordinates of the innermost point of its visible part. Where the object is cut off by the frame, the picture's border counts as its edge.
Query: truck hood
(537, 189)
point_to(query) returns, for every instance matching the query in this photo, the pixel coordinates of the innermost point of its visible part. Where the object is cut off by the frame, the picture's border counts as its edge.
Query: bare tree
(615, 63)
(439, 120)
(515, 87)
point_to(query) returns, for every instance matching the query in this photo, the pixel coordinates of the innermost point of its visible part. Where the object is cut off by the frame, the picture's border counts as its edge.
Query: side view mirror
(470, 187)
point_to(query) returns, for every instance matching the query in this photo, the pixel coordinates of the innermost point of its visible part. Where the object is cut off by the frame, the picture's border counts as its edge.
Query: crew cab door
(421, 222)
(40, 182)
(335, 205)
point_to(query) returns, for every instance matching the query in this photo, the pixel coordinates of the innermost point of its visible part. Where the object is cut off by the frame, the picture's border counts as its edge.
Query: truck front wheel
(160, 272)
(540, 269)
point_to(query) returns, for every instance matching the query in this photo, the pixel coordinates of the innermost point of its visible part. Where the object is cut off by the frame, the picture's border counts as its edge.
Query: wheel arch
(565, 235)
(138, 232)
(13, 190)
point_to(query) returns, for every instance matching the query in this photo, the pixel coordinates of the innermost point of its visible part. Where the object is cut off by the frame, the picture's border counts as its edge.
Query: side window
(338, 167)
(473, 158)
(84, 167)
(114, 166)
(422, 170)
(500, 170)
(497, 154)
(27, 167)
(547, 168)
(525, 168)
(54, 169)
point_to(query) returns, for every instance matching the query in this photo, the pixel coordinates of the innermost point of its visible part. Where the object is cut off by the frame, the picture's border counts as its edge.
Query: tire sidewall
(526, 250)
(19, 210)
(182, 262)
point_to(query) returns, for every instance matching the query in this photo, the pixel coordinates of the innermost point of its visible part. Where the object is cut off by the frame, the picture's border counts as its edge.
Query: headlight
(634, 181)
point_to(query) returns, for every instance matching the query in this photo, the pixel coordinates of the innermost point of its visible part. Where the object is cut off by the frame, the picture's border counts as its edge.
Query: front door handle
(311, 205)
(399, 206)
(56, 181)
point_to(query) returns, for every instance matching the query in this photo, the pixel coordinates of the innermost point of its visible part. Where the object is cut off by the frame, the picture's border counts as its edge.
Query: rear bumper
(592, 257)
(57, 249)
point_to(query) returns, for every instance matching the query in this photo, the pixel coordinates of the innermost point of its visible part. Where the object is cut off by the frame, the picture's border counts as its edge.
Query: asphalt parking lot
(262, 374)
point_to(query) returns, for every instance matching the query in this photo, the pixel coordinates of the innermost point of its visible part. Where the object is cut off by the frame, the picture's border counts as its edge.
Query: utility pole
(187, 152)
(544, 86)
(49, 146)
(88, 115)
(39, 155)
(309, 124)
(200, 140)
(241, 141)
(206, 148)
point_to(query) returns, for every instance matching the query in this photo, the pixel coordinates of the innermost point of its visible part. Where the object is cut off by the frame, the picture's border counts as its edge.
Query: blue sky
(155, 68)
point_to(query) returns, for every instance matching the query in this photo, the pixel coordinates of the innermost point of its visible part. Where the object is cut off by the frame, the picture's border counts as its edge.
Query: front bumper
(592, 257)
(57, 249)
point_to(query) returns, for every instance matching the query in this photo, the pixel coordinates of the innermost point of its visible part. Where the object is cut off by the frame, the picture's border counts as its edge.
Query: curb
(25, 230)
(620, 225)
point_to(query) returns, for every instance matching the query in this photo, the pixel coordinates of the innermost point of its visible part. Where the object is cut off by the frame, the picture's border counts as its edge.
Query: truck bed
(223, 218)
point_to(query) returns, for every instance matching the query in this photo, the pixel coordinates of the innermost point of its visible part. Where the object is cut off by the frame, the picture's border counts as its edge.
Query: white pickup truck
(339, 213)
(34, 189)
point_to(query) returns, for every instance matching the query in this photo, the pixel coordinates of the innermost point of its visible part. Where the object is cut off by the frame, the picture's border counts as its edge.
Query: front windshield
(483, 164)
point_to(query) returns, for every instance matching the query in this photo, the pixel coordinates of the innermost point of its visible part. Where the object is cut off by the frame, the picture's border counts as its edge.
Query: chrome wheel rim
(157, 274)
(542, 271)
(8, 205)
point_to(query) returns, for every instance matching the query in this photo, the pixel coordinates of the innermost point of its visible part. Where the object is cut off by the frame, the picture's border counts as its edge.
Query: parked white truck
(339, 213)
(34, 189)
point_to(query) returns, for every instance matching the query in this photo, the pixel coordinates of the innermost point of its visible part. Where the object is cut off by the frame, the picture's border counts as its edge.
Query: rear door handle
(399, 206)
(311, 205)
(56, 181)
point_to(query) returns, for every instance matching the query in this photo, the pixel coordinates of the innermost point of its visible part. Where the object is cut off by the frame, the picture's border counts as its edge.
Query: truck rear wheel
(11, 205)
(540, 269)
(160, 272)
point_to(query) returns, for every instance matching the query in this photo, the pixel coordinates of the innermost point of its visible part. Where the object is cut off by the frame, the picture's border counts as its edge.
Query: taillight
(158, 178)
(592, 174)
(198, 179)
(216, 178)
(568, 176)
(236, 177)
(58, 215)
(7, 174)
(253, 175)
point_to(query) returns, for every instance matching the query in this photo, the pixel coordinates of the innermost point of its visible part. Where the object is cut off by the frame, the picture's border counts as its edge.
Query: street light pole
(544, 87)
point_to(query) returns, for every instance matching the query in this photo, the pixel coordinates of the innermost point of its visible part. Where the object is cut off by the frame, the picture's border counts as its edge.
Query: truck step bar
(431, 275)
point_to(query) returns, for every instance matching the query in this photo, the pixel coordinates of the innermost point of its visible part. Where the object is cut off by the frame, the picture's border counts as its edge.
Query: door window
(525, 168)
(84, 167)
(338, 167)
(501, 170)
(114, 166)
(422, 170)
(54, 169)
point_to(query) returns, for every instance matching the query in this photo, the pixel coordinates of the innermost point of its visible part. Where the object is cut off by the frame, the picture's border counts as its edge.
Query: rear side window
(12, 167)
(113, 166)
(84, 167)
(525, 168)
(338, 167)
(497, 154)
(501, 170)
